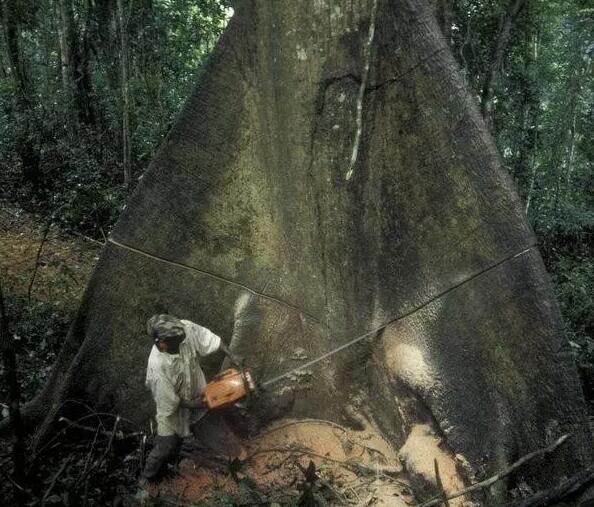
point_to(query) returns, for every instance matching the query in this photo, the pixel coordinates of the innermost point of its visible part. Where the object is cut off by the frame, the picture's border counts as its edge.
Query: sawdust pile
(351, 467)
(419, 455)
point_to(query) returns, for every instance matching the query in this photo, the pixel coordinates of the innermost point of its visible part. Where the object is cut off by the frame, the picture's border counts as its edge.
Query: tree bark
(445, 17)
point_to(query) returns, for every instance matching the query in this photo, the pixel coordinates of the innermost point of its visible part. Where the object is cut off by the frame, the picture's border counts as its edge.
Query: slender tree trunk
(75, 64)
(14, 407)
(534, 167)
(63, 23)
(533, 55)
(124, 63)
(106, 16)
(574, 90)
(501, 44)
(565, 150)
(14, 52)
(571, 153)
(26, 148)
(66, 37)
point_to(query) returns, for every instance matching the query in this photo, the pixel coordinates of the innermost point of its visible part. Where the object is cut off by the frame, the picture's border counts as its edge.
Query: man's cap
(164, 327)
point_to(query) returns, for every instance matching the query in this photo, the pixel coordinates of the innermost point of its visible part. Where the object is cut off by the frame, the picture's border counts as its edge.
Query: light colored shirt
(173, 377)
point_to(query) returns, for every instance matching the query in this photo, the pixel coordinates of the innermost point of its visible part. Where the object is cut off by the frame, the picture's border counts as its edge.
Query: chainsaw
(233, 384)
(228, 387)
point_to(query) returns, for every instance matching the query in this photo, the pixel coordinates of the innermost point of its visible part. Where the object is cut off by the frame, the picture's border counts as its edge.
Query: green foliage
(574, 281)
(74, 122)
(39, 329)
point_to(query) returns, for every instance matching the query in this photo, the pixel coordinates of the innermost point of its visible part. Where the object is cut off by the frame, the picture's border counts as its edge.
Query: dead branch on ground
(440, 487)
(53, 482)
(38, 257)
(119, 435)
(552, 496)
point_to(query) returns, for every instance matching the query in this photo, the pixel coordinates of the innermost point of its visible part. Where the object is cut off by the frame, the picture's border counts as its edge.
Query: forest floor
(64, 260)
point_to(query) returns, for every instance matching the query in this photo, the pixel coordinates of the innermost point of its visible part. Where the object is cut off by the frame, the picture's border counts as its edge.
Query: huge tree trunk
(424, 249)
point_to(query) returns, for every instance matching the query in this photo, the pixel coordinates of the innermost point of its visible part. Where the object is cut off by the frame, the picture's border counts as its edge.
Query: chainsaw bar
(321, 358)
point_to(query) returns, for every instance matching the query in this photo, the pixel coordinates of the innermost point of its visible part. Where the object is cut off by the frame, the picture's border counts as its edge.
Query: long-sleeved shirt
(173, 377)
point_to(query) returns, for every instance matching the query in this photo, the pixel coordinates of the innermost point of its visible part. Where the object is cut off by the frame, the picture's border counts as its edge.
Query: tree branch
(497, 477)
(36, 268)
(564, 490)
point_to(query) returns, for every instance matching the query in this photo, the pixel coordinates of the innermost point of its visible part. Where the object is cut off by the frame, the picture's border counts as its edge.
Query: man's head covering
(164, 327)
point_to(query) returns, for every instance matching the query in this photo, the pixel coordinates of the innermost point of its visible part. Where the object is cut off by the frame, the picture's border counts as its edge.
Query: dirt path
(64, 265)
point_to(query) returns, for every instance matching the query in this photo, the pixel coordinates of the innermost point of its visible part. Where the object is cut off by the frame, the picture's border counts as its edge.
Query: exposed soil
(64, 264)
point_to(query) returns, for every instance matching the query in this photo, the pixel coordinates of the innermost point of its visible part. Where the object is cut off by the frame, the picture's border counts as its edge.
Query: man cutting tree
(176, 380)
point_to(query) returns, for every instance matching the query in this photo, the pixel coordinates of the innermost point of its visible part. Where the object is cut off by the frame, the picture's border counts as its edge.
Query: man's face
(171, 345)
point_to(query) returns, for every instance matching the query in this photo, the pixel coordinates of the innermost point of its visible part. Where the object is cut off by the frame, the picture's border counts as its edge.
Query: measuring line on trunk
(383, 326)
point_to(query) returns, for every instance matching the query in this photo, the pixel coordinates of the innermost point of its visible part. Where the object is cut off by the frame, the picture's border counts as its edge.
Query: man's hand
(193, 404)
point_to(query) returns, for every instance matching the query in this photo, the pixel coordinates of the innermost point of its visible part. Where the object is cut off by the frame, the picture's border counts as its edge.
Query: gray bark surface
(247, 205)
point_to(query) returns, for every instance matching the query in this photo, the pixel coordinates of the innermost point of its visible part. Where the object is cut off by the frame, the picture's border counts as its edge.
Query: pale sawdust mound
(356, 467)
(419, 454)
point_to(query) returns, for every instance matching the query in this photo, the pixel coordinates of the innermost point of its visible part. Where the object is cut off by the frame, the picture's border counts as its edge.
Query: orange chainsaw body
(228, 387)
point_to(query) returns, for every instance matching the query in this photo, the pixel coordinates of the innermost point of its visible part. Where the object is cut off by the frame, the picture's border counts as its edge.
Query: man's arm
(207, 342)
(233, 359)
